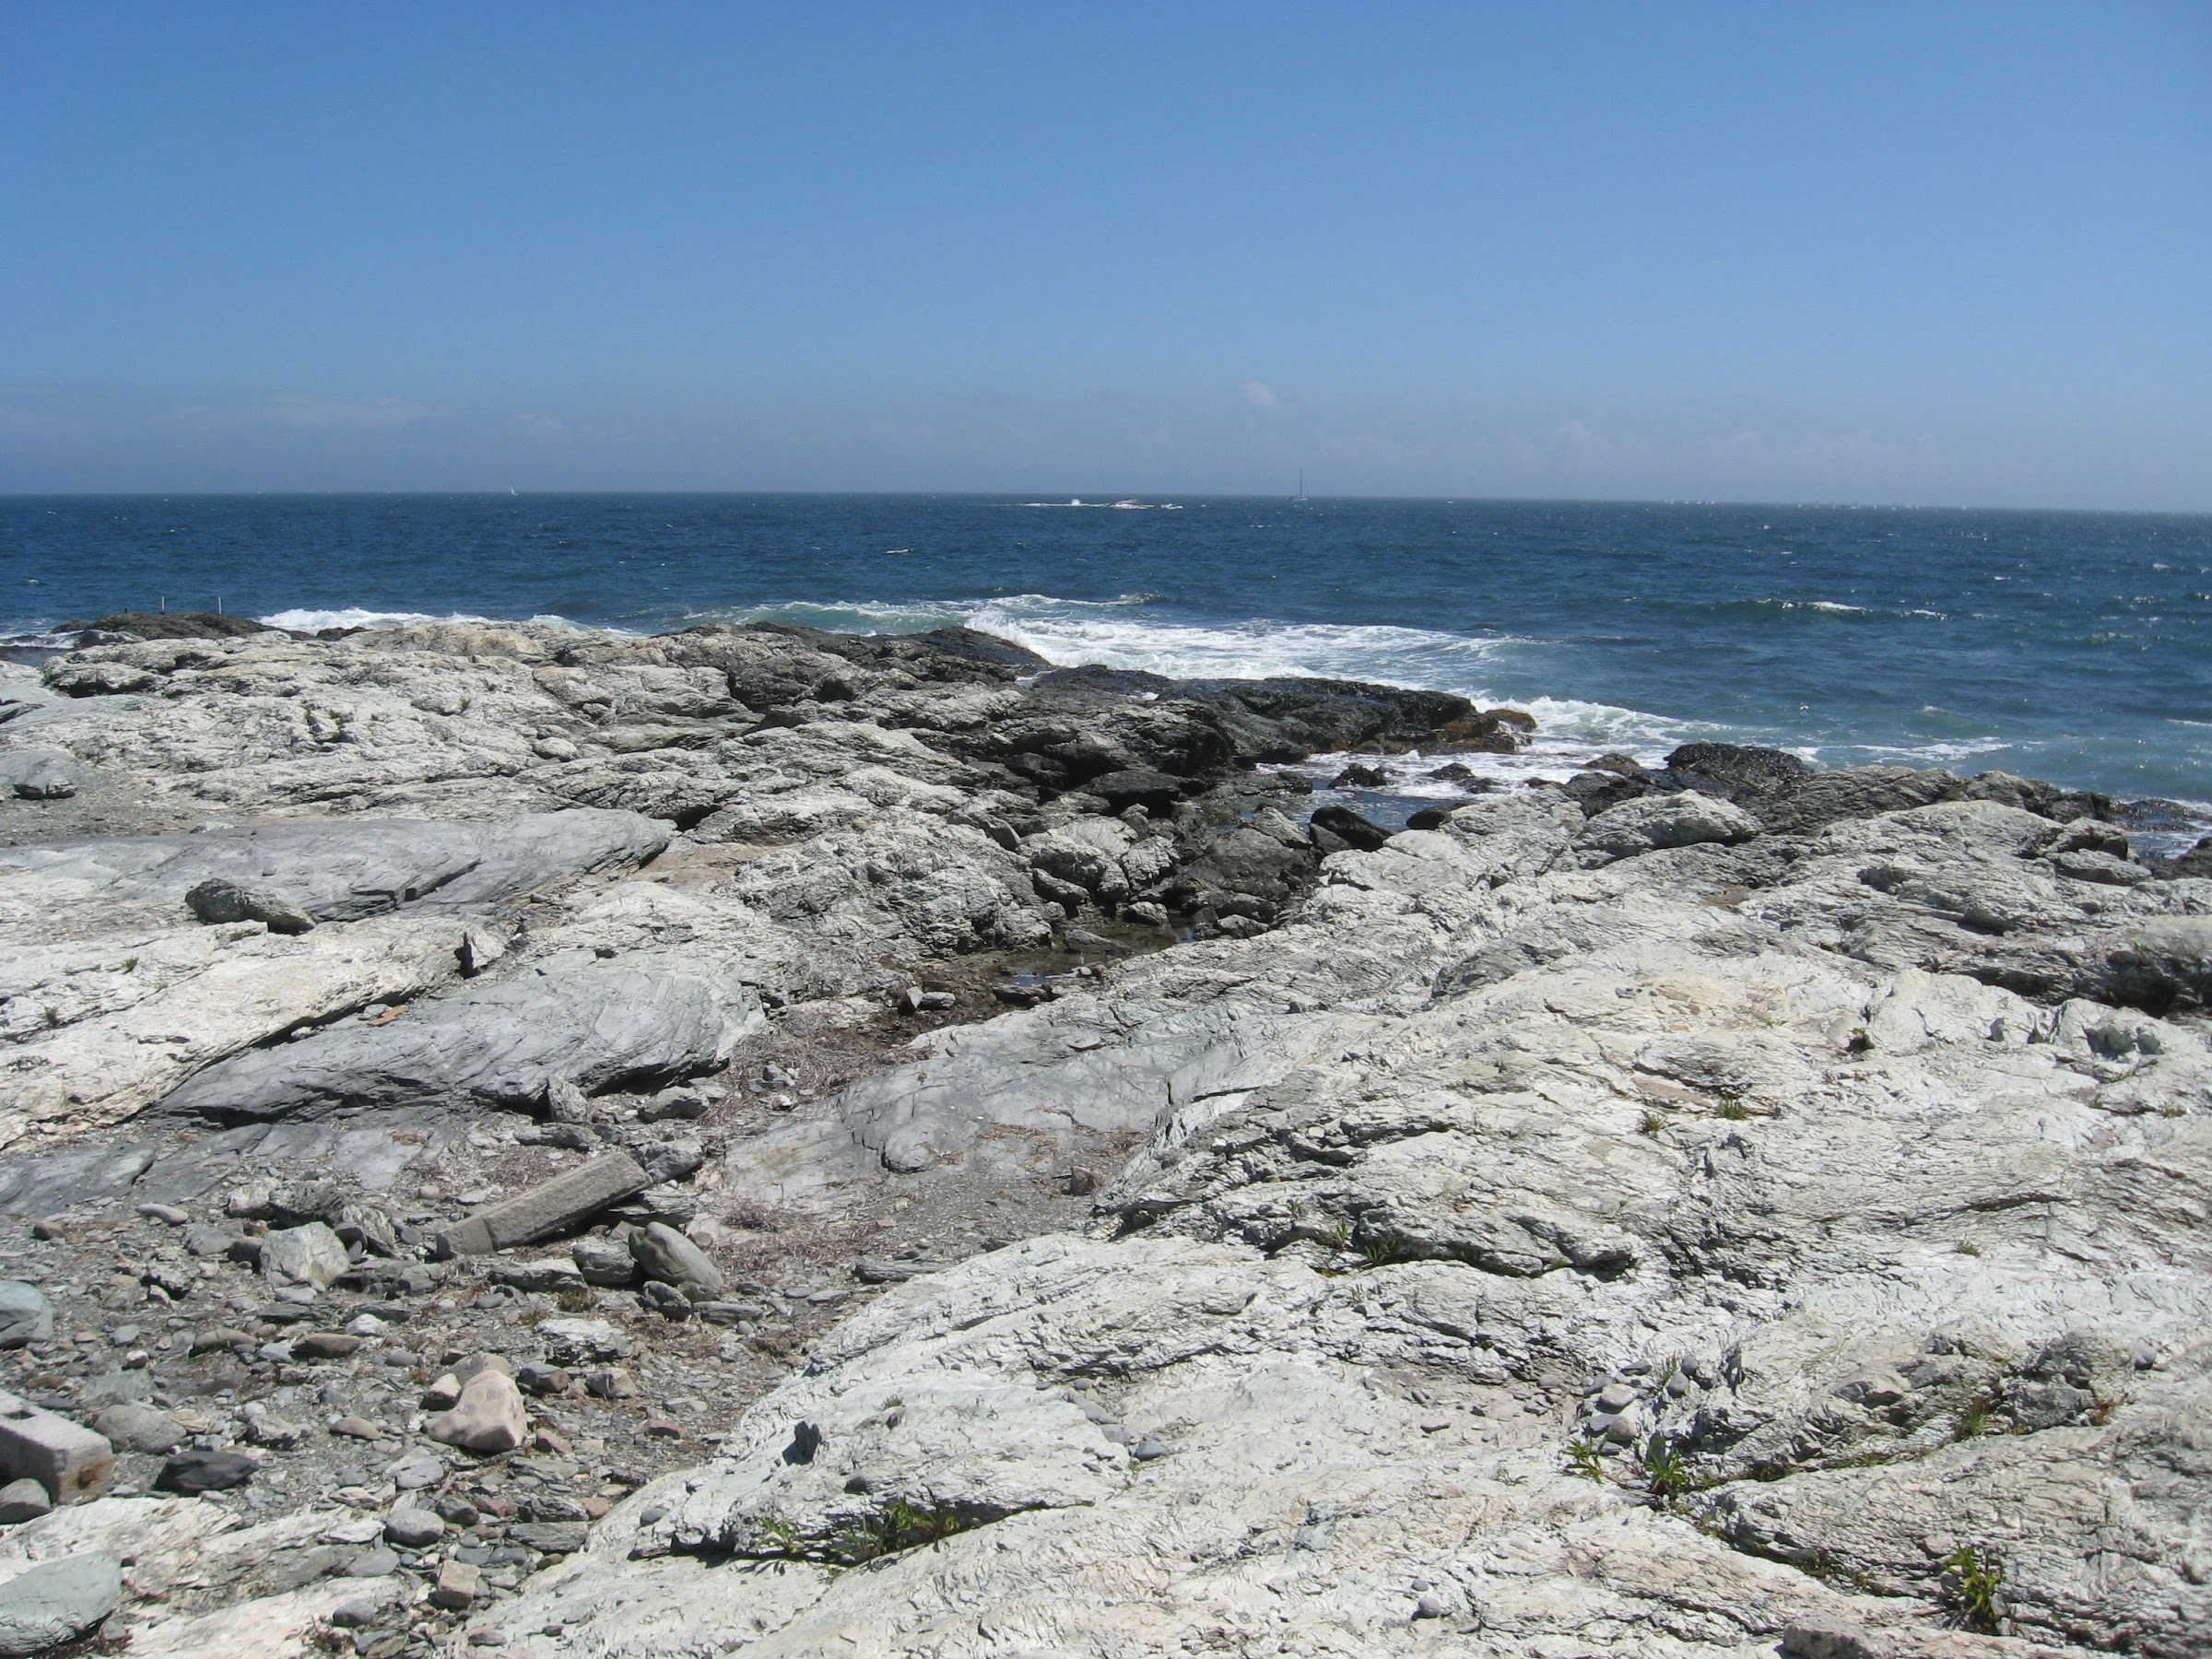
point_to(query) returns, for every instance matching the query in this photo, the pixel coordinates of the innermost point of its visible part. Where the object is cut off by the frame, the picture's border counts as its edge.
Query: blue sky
(1924, 252)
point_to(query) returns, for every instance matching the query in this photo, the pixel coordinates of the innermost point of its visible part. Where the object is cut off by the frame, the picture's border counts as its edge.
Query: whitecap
(305, 620)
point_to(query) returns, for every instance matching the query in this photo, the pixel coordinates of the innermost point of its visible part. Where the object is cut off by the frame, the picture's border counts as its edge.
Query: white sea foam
(354, 616)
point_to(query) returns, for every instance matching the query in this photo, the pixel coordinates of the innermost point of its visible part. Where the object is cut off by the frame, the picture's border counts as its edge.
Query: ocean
(2071, 646)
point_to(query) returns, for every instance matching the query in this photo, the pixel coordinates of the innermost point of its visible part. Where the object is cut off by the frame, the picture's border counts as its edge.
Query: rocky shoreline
(515, 1140)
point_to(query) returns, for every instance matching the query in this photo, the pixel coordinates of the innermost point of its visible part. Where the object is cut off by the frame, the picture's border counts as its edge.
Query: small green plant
(1653, 1122)
(1974, 1422)
(1734, 1110)
(1665, 1472)
(1338, 1235)
(575, 1298)
(1585, 1457)
(1380, 1253)
(898, 1526)
(1972, 1581)
(1964, 1249)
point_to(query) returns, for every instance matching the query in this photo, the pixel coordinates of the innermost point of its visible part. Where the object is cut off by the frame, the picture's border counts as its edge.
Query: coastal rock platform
(1000, 1180)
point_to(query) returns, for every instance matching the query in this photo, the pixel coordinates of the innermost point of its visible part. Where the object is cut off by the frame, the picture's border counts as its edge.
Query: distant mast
(1301, 496)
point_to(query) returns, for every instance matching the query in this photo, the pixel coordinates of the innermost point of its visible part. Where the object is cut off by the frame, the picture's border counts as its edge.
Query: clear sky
(1924, 252)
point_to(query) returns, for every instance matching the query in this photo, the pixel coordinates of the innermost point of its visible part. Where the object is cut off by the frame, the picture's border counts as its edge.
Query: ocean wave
(35, 636)
(1126, 504)
(1070, 632)
(854, 615)
(305, 620)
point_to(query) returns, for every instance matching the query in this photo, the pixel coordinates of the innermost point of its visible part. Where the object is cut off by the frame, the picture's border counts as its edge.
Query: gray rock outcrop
(56, 1601)
(1678, 1211)
(581, 1020)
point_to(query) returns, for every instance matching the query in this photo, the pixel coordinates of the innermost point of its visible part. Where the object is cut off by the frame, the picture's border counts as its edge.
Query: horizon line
(1103, 499)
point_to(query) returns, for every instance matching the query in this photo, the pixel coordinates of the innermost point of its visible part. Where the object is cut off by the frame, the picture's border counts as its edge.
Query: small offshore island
(523, 1140)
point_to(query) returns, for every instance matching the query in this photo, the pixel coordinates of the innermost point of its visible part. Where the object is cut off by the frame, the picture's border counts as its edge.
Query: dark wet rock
(1347, 829)
(1138, 786)
(1787, 795)
(189, 1474)
(1360, 775)
(167, 625)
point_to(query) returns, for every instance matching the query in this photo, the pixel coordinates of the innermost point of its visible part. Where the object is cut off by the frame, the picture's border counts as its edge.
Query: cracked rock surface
(1717, 1209)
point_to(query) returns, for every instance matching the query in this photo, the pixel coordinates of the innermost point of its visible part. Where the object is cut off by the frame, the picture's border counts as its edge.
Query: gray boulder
(1687, 820)
(312, 1255)
(605, 1262)
(599, 1024)
(665, 1254)
(23, 1499)
(131, 1426)
(218, 899)
(57, 1601)
(26, 1315)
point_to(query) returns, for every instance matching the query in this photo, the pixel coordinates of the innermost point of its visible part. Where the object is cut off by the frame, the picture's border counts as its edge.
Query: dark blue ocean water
(2073, 646)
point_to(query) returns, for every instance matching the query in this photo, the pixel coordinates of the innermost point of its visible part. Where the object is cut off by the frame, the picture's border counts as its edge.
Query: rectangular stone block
(69, 1459)
(458, 1582)
(561, 1205)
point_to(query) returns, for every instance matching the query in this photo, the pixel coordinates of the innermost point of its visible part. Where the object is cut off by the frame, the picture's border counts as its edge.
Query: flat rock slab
(56, 1601)
(565, 1202)
(597, 1024)
(345, 869)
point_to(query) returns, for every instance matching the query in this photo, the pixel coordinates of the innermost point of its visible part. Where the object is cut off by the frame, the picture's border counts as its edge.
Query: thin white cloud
(1260, 396)
(292, 411)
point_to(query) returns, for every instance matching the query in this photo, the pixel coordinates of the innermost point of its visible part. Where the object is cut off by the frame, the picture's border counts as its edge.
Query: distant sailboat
(1301, 496)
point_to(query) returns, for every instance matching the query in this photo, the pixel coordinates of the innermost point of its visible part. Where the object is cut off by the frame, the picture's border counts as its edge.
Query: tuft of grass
(1585, 1457)
(1665, 1472)
(1734, 1110)
(782, 1536)
(899, 1525)
(1338, 1236)
(576, 1298)
(1974, 1422)
(1973, 1580)
(1380, 1253)
(1653, 1122)
(1964, 1249)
